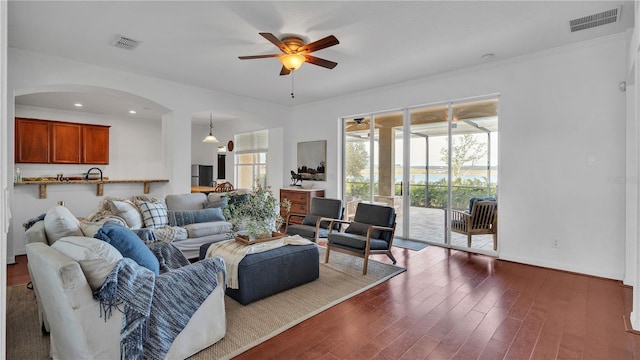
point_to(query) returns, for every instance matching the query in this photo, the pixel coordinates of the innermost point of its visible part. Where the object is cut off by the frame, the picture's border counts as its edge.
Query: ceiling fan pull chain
(292, 72)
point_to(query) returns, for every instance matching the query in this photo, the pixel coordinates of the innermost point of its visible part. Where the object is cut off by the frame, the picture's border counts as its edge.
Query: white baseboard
(562, 267)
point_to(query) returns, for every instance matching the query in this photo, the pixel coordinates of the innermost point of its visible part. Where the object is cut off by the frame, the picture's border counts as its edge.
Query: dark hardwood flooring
(17, 273)
(454, 305)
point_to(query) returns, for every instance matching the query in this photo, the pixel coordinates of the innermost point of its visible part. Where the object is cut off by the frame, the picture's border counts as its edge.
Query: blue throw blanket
(155, 308)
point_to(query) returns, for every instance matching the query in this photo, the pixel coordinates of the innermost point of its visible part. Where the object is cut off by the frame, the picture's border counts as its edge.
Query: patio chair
(483, 219)
(315, 224)
(370, 232)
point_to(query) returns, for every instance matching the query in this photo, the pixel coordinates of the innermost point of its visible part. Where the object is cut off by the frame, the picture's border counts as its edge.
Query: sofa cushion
(96, 258)
(208, 228)
(186, 217)
(129, 245)
(220, 203)
(60, 222)
(89, 229)
(212, 197)
(154, 214)
(129, 212)
(191, 201)
(36, 233)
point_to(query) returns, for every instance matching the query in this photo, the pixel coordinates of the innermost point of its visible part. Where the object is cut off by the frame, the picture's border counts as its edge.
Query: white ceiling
(381, 43)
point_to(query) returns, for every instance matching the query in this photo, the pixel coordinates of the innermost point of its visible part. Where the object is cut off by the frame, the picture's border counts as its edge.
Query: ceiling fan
(358, 124)
(295, 52)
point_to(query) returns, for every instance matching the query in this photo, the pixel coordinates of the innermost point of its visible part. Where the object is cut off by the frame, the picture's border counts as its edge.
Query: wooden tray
(244, 240)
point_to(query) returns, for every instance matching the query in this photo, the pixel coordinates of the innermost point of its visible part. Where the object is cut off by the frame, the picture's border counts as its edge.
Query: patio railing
(436, 196)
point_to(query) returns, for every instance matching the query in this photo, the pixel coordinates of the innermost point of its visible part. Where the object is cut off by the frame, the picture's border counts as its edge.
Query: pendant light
(210, 138)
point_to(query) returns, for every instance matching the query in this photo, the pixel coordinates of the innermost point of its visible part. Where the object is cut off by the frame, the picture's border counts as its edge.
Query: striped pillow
(154, 214)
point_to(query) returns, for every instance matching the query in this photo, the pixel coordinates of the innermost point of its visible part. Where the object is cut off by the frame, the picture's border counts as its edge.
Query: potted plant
(257, 215)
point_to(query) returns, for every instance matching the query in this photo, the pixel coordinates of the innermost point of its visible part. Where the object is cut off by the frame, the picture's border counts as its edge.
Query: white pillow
(97, 258)
(60, 222)
(129, 212)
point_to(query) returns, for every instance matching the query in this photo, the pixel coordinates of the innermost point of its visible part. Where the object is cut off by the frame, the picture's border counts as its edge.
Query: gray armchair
(370, 232)
(315, 224)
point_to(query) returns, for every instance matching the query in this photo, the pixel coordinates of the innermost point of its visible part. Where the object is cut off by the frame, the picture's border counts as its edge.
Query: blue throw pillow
(129, 245)
(186, 217)
(222, 203)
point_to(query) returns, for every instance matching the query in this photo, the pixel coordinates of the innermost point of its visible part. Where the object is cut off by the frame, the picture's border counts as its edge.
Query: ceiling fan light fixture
(210, 138)
(292, 61)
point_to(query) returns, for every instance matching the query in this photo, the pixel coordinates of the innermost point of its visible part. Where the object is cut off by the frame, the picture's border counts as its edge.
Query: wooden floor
(454, 305)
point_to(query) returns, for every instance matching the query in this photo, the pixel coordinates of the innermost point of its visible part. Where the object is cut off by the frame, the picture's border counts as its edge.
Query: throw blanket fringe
(156, 308)
(233, 252)
(130, 285)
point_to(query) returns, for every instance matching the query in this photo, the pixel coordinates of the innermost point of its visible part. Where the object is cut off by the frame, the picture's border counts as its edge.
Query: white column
(176, 137)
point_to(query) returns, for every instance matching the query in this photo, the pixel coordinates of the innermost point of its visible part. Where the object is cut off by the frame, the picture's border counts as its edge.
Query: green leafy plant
(258, 213)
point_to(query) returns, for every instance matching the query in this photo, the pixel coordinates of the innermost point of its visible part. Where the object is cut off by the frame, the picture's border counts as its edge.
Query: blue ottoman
(270, 272)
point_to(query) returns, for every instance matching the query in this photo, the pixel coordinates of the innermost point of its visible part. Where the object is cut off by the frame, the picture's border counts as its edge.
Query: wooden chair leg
(390, 255)
(468, 240)
(495, 241)
(326, 256)
(366, 263)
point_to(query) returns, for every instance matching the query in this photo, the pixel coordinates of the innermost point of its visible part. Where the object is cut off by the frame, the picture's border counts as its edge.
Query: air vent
(125, 43)
(602, 18)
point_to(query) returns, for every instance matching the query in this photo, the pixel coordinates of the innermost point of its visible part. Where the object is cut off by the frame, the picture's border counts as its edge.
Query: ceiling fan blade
(320, 44)
(275, 41)
(285, 71)
(258, 56)
(320, 62)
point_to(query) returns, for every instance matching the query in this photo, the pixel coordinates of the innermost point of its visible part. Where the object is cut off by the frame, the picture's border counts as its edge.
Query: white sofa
(79, 332)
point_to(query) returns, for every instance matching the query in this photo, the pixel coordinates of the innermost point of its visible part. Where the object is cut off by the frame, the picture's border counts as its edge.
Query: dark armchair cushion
(375, 215)
(324, 207)
(356, 242)
(312, 220)
(473, 200)
(359, 228)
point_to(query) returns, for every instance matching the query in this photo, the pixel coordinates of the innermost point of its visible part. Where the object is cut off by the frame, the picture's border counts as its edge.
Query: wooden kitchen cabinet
(32, 141)
(95, 148)
(66, 143)
(57, 142)
(300, 201)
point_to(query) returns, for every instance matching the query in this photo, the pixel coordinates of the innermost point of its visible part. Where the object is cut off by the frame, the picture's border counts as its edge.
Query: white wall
(558, 108)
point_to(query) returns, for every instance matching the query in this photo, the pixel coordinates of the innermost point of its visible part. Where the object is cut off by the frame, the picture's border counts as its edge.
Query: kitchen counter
(42, 184)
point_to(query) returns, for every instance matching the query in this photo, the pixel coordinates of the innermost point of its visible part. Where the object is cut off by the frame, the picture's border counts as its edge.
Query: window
(251, 158)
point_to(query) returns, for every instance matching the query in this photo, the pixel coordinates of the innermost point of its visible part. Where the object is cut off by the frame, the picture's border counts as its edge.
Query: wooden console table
(42, 185)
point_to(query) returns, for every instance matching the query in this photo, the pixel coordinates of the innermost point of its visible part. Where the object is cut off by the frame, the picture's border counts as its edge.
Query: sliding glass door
(426, 162)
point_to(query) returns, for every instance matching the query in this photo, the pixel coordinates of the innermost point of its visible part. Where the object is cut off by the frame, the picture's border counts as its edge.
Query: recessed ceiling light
(77, 105)
(132, 111)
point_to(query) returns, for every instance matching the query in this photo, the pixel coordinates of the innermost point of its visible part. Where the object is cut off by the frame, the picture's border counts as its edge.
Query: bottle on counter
(18, 177)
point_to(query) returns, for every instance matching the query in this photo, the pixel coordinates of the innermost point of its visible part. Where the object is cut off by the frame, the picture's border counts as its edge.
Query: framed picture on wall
(312, 159)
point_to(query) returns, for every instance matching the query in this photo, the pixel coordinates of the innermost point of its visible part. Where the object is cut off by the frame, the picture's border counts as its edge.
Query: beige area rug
(247, 326)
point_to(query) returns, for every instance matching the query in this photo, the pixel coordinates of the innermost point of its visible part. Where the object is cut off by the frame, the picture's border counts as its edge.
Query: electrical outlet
(555, 243)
